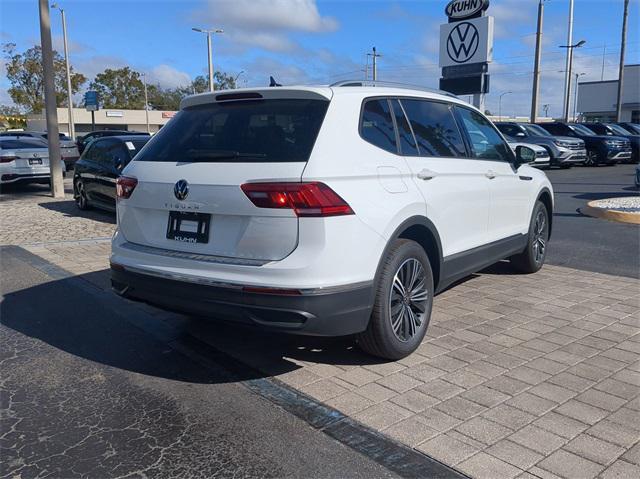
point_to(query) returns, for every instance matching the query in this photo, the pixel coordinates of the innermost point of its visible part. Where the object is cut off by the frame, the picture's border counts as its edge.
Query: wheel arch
(421, 230)
(547, 200)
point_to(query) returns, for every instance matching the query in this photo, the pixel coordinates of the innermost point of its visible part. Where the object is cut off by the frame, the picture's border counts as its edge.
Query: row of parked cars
(24, 155)
(567, 144)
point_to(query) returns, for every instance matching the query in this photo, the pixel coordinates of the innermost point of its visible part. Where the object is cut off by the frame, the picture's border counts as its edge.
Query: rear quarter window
(376, 125)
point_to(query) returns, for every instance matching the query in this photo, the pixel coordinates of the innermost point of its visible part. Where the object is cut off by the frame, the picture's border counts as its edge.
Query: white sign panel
(466, 42)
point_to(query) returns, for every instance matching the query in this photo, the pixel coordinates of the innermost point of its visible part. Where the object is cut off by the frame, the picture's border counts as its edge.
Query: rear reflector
(8, 158)
(305, 199)
(125, 186)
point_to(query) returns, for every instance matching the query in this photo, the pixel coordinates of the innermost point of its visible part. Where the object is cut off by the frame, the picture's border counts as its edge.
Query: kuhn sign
(459, 9)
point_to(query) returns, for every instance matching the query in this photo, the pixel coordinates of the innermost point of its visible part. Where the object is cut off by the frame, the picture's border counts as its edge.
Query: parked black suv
(601, 149)
(82, 142)
(95, 173)
(611, 129)
(633, 128)
(564, 151)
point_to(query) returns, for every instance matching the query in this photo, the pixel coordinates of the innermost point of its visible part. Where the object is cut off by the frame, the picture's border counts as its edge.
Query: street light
(500, 104)
(567, 96)
(146, 101)
(575, 98)
(236, 78)
(209, 33)
(72, 129)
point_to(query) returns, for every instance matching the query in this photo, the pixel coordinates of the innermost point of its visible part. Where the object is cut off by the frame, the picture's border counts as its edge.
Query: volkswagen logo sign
(36, 155)
(463, 42)
(181, 189)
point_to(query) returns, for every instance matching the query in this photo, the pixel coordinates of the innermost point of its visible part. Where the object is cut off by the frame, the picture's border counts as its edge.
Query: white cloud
(74, 47)
(168, 77)
(265, 23)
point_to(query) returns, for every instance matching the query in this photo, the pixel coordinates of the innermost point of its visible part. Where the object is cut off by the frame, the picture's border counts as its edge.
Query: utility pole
(53, 138)
(146, 101)
(623, 46)
(604, 53)
(545, 107)
(536, 66)
(374, 63)
(567, 69)
(72, 128)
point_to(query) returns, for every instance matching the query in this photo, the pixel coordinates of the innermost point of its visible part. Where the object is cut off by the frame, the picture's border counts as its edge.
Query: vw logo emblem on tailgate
(181, 189)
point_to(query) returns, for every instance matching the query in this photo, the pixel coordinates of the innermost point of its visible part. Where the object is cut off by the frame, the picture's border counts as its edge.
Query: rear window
(21, 143)
(261, 131)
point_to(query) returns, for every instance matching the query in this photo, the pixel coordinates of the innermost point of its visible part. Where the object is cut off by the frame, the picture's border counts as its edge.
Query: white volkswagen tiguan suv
(325, 210)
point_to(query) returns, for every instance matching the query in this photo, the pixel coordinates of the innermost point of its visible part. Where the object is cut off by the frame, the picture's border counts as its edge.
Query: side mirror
(520, 134)
(524, 155)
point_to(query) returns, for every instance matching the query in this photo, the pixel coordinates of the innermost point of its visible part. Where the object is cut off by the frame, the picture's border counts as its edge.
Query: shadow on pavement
(69, 208)
(601, 196)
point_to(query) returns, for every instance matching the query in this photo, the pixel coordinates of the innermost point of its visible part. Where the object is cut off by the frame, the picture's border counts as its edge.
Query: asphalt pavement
(587, 243)
(86, 392)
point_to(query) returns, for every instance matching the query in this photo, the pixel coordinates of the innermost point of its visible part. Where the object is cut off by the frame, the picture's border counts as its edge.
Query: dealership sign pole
(466, 49)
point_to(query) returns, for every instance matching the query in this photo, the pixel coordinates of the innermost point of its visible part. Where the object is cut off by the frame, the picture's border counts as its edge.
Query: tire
(398, 323)
(80, 195)
(592, 158)
(532, 258)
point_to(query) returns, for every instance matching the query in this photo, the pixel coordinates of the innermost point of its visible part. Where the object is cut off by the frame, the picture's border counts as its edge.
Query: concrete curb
(611, 215)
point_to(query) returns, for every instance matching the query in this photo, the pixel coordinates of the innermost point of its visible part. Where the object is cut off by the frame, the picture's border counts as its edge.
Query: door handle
(490, 174)
(426, 174)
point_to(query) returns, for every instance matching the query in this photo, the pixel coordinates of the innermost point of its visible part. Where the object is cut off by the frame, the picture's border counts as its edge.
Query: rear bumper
(7, 178)
(334, 312)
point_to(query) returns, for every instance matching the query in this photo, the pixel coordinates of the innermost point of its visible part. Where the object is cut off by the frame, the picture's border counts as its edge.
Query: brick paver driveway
(519, 375)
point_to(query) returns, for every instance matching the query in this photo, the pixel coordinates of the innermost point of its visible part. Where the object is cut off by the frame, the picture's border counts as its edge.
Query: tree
(25, 74)
(120, 88)
(221, 80)
(11, 117)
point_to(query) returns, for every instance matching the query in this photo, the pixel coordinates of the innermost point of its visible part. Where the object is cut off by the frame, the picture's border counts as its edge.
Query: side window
(486, 143)
(118, 150)
(435, 128)
(407, 141)
(376, 125)
(509, 130)
(99, 153)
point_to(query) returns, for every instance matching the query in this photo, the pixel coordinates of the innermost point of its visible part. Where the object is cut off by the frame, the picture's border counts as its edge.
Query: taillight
(305, 199)
(125, 186)
(8, 158)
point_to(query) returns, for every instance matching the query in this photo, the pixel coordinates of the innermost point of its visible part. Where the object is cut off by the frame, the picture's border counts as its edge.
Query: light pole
(72, 128)
(567, 97)
(146, 101)
(536, 64)
(545, 107)
(500, 104)
(623, 47)
(575, 97)
(236, 78)
(50, 107)
(567, 75)
(210, 55)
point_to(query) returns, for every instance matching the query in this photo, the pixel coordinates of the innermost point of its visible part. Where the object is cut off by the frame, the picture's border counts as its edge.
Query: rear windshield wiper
(221, 154)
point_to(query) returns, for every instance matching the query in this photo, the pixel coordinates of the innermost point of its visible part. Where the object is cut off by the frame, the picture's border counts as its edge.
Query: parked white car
(331, 210)
(24, 159)
(542, 155)
(68, 149)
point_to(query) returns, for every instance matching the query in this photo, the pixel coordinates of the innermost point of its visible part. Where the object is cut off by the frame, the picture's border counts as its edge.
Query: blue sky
(307, 41)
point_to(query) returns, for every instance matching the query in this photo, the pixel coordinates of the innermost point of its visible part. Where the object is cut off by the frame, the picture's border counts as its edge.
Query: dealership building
(597, 99)
(109, 119)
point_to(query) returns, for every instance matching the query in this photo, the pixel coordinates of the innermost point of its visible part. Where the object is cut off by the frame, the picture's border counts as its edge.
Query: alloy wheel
(540, 237)
(592, 158)
(408, 299)
(81, 199)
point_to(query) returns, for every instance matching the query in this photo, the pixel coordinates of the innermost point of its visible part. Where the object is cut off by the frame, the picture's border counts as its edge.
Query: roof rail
(390, 85)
